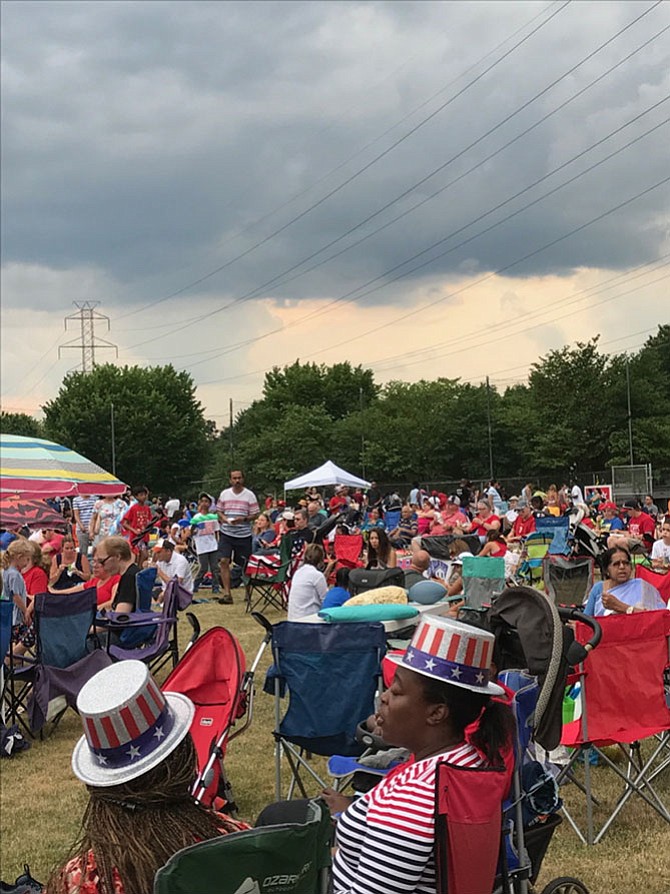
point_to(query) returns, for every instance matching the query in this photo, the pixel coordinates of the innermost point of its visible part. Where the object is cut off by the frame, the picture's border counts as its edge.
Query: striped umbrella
(15, 512)
(33, 467)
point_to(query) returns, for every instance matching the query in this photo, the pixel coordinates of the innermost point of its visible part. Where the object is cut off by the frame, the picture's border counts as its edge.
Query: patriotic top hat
(453, 652)
(130, 726)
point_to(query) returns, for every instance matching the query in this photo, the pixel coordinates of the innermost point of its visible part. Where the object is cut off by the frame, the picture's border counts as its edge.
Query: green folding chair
(293, 858)
(483, 580)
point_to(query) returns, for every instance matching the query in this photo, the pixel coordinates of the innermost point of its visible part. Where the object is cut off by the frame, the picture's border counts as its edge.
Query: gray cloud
(140, 138)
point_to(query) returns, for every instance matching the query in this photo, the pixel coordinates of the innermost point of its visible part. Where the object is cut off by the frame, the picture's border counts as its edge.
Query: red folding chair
(658, 579)
(348, 549)
(624, 701)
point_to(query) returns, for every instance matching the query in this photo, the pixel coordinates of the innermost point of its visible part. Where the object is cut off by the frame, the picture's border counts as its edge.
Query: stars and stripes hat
(453, 652)
(130, 726)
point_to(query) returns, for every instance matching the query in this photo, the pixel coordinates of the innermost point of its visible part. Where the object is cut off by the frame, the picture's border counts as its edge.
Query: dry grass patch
(41, 802)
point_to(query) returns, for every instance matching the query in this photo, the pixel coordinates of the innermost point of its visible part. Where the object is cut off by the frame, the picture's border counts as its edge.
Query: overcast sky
(216, 150)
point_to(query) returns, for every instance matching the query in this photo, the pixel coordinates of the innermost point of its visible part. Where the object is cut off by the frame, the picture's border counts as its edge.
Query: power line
(88, 343)
(368, 165)
(358, 152)
(482, 279)
(253, 292)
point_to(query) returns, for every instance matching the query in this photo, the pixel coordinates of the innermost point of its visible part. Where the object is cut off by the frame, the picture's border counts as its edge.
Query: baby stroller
(213, 674)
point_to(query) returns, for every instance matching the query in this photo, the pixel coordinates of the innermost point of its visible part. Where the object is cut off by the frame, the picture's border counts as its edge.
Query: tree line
(570, 417)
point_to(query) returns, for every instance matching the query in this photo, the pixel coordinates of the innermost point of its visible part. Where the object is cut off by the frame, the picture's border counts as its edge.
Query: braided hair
(135, 827)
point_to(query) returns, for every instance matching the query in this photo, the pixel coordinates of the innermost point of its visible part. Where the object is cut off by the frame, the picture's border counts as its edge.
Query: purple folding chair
(164, 645)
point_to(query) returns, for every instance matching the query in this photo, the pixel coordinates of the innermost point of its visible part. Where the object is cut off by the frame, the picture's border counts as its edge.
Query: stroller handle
(263, 621)
(576, 651)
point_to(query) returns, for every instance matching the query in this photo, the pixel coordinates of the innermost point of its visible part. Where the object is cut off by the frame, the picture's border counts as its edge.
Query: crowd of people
(140, 808)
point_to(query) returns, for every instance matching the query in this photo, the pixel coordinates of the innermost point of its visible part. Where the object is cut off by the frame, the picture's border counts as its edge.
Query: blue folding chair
(555, 527)
(332, 673)
(392, 519)
(6, 611)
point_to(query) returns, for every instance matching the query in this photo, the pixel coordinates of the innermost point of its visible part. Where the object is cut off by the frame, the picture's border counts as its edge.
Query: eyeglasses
(620, 563)
(101, 561)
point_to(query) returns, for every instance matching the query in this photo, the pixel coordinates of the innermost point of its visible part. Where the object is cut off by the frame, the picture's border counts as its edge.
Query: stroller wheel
(565, 885)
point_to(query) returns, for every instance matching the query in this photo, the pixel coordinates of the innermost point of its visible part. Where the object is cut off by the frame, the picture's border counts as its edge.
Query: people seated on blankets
(308, 585)
(484, 521)
(609, 522)
(68, 567)
(620, 592)
(104, 582)
(385, 839)
(524, 524)
(264, 536)
(140, 808)
(48, 540)
(401, 535)
(640, 531)
(380, 552)
(372, 520)
(495, 545)
(171, 564)
(136, 522)
(338, 594)
(418, 568)
(660, 551)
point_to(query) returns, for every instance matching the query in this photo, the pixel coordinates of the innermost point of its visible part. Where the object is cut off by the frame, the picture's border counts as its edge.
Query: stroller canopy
(328, 473)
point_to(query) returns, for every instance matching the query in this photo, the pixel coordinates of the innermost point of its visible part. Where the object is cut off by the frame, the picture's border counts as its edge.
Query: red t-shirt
(643, 524)
(139, 517)
(522, 527)
(104, 588)
(478, 524)
(36, 580)
(336, 504)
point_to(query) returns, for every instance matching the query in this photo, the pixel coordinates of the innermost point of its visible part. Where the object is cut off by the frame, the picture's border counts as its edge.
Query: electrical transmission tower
(88, 344)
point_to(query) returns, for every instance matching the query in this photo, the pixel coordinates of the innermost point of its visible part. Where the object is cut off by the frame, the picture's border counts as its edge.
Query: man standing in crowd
(136, 523)
(83, 507)
(237, 507)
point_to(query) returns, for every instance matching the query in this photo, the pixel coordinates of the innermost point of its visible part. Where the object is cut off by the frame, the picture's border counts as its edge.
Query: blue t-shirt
(14, 585)
(336, 596)
(614, 524)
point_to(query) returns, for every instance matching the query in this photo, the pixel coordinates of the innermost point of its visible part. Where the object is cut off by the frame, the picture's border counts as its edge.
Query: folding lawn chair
(332, 673)
(558, 529)
(568, 580)
(6, 612)
(290, 857)
(535, 548)
(63, 661)
(658, 579)
(159, 645)
(483, 580)
(267, 585)
(347, 549)
(623, 702)
(391, 519)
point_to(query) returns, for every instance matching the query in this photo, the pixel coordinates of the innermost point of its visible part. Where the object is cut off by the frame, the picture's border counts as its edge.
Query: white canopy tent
(328, 473)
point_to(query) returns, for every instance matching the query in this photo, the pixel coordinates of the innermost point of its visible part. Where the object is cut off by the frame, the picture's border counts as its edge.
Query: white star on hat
(159, 733)
(133, 752)
(456, 672)
(409, 656)
(102, 760)
(430, 664)
(480, 677)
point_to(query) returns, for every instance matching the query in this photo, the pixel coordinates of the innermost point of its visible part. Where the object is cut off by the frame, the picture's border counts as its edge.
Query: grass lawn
(42, 802)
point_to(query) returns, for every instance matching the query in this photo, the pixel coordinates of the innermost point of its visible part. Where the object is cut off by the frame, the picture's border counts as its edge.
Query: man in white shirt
(172, 507)
(170, 564)
(238, 508)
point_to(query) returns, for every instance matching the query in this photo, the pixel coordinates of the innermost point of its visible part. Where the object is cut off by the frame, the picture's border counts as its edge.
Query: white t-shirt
(308, 587)
(177, 567)
(171, 507)
(576, 494)
(660, 550)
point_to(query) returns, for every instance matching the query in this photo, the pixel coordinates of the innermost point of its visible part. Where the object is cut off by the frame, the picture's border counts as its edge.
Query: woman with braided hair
(139, 763)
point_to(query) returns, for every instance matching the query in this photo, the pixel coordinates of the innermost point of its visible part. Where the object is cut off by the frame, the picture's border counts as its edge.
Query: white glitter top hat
(453, 652)
(130, 726)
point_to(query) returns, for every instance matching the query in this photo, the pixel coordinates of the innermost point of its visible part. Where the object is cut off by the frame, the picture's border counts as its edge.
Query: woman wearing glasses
(620, 592)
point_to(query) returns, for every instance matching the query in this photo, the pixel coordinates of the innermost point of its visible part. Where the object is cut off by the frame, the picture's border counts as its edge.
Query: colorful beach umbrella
(33, 467)
(15, 512)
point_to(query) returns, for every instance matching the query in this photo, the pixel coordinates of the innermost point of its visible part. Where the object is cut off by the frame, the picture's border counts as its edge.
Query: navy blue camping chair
(6, 611)
(332, 673)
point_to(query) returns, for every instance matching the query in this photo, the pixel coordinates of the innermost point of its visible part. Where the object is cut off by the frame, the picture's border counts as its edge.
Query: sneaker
(25, 884)
(226, 599)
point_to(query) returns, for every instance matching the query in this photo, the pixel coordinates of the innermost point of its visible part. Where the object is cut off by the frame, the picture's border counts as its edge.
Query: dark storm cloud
(140, 138)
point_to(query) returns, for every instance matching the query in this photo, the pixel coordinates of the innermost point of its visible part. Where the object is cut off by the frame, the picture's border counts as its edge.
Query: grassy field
(42, 802)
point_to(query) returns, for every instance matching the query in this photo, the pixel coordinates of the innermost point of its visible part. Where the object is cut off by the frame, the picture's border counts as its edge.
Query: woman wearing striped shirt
(385, 839)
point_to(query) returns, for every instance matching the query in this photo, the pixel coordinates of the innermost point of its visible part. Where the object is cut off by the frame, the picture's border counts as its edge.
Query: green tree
(340, 388)
(20, 424)
(161, 435)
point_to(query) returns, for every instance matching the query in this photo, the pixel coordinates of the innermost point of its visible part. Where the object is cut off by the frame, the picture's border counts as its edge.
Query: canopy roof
(328, 473)
(34, 467)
